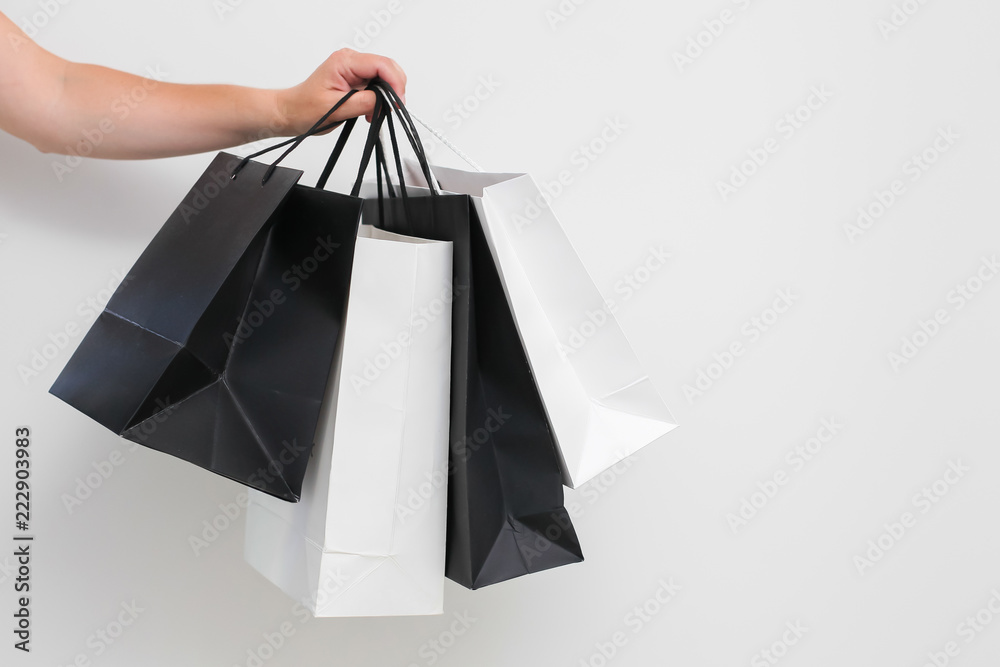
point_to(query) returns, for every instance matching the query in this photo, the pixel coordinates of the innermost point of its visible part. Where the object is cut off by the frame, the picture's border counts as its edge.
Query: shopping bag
(505, 499)
(217, 347)
(601, 404)
(367, 537)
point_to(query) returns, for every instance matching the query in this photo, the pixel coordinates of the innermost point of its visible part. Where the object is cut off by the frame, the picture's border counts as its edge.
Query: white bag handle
(437, 134)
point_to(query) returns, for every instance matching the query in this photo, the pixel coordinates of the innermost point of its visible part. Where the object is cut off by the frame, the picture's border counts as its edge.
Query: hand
(301, 106)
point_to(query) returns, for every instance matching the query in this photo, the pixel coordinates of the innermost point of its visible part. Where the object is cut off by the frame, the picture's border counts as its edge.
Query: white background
(656, 185)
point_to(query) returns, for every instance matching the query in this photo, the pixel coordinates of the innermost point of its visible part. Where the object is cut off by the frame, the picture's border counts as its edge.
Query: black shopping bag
(505, 496)
(218, 346)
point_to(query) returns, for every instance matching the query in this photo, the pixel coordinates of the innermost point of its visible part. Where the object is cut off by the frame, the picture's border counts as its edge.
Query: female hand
(87, 110)
(302, 105)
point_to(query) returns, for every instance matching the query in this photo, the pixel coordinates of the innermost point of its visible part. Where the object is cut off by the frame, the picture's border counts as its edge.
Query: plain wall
(677, 132)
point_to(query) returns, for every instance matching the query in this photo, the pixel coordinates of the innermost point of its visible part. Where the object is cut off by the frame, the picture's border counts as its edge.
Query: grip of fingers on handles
(412, 135)
(317, 128)
(384, 103)
(395, 104)
(385, 100)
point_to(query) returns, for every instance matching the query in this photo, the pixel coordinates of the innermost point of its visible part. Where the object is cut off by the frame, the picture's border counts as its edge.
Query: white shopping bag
(600, 402)
(368, 536)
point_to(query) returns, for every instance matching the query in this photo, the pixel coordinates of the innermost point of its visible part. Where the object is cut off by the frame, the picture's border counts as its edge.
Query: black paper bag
(505, 496)
(217, 347)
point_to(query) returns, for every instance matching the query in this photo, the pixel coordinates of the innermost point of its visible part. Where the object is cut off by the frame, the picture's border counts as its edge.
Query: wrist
(283, 121)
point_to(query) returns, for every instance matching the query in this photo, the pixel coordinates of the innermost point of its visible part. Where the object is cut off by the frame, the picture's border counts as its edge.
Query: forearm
(89, 110)
(119, 115)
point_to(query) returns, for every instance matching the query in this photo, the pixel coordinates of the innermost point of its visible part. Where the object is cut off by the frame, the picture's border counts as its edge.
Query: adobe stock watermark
(586, 154)
(589, 152)
(202, 195)
(104, 637)
(559, 525)
(966, 632)
(960, 296)
(39, 358)
(630, 284)
(415, 499)
(471, 442)
(595, 489)
(390, 351)
(33, 24)
(795, 460)
(254, 141)
(922, 502)
(773, 654)
(899, 17)
(913, 169)
(229, 513)
(591, 492)
(785, 128)
(258, 311)
(751, 331)
(223, 8)
(274, 640)
(633, 622)
(711, 31)
(87, 485)
(436, 647)
(121, 108)
(330, 585)
(379, 20)
(462, 110)
(561, 13)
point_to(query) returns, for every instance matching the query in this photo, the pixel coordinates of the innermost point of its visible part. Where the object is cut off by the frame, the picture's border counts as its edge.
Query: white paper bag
(600, 402)
(368, 536)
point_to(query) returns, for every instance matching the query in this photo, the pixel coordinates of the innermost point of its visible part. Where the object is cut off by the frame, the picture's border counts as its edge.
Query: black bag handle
(335, 155)
(317, 128)
(406, 122)
(383, 168)
(339, 149)
(382, 165)
(373, 145)
(378, 117)
(383, 114)
(386, 102)
(395, 104)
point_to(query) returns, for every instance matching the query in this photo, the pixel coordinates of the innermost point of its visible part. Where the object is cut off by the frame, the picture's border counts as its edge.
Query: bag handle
(421, 156)
(383, 167)
(335, 155)
(382, 119)
(406, 122)
(395, 105)
(378, 117)
(376, 85)
(439, 135)
(386, 102)
(317, 128)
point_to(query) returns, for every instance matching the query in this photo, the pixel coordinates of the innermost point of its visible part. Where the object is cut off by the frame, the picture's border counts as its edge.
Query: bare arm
(55, 104)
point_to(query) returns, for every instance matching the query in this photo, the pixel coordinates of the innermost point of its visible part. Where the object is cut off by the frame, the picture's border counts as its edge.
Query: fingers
(361, 104)
(362, 67)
